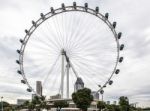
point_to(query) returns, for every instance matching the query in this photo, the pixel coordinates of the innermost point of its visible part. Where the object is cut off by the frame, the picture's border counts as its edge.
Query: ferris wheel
(68, 43)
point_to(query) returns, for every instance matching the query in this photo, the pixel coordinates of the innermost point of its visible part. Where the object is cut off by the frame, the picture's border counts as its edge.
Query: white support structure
(68, 66)
(62, 74)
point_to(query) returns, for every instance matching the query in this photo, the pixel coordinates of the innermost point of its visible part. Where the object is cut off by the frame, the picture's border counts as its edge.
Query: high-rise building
(95, 95)
(39, 87)
(79, 84)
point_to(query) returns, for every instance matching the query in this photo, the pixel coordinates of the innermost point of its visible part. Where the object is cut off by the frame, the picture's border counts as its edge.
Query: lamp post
(2, 103)
(101, 91)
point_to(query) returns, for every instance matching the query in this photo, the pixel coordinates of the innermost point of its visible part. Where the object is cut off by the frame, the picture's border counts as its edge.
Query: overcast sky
(132, 17)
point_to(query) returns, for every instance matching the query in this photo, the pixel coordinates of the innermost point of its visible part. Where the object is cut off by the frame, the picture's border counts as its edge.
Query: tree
(124, 103)
(115, 107)
(60, 104)
(82, 98)
(43, 102)
(101, 105)
(26, 104)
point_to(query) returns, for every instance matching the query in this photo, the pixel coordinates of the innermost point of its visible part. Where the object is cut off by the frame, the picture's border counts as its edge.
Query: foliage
(61, 104)
(37, 103)
(82, 98)
(124, 103)
(5, 104)
(101, 105)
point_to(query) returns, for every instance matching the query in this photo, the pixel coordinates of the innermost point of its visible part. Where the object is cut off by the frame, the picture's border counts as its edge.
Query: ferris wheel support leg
(68, 66)
(62, 76)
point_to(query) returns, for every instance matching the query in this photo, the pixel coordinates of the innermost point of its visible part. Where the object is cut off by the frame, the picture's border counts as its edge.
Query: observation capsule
(117, 71)
(97, 10)
(86, 6)
(119, 35)
(120, 59)
(19, 72)
(26, 31)
(110, 82)
(21, 41)
(114, 24)
(34, 23)
(63, 6)
(74, 5)
(106, 15)
(29, 90)
(122, 47)
(17, 61)
(42, 16)
(102, 91)
(52, 10)
(23, 81)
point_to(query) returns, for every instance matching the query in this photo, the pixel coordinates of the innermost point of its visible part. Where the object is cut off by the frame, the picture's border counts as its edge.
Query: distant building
(39, 87)
(108, 102)
(57, 96)
(79, 84)
(33, 96)
(95, 95)
(22, 101)
(115, 102)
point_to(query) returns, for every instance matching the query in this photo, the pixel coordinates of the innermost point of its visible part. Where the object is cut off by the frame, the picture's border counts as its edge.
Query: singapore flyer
(68, 44)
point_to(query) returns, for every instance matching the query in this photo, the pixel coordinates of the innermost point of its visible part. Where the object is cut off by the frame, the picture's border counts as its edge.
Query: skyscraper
(95, 95)
(79, 84)
(39, 87)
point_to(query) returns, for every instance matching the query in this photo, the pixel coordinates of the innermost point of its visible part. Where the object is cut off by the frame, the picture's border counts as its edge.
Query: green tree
(82, 98)
(43, 102)
(115, 107)
(60, 104)
(124, 103)
(101, 105)
(26, 104)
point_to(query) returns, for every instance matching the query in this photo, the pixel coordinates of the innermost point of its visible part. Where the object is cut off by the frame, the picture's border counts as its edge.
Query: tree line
(82, 99)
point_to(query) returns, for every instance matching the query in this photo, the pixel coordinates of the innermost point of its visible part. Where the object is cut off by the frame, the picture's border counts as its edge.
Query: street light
(1, 103)
(101, 90)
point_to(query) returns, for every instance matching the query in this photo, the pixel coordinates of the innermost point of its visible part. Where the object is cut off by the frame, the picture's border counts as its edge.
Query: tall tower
(95, 95)
(39, 87)
(79, 84)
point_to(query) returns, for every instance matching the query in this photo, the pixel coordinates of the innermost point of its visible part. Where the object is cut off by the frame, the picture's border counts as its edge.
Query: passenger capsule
(117, 71)
(23, 81)
(122, 47)
(110, 82)
(114, 24)
(97, 10)
(63, 6)
(86, 6)
(102, 91)
(19, 72)
(106, 15)
(17, 61)
(21, 41)
(26, 31)
(34, 23)
(120, 59)
(52, 10)
(74, 5)
(42, 16)
(104, 86)
(29, 90)
(119, 35)
(18, 51)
